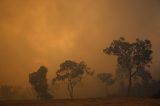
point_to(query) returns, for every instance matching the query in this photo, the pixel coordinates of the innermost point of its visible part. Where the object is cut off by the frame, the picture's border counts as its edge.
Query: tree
(72, 72)
(39, 82)
(134, 57)
(106, 78)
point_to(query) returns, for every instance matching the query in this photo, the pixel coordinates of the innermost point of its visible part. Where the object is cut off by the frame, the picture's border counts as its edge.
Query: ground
(85, 102)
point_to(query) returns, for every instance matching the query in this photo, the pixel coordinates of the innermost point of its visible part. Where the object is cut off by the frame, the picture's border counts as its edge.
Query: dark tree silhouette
(106, 78)
(71, 72)
(39, 82)
(135, 57)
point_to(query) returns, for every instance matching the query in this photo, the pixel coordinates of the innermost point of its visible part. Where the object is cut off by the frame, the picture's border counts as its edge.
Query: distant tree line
(9, 92)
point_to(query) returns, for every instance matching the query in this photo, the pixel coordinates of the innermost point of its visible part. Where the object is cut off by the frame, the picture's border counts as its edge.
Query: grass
(84, 102)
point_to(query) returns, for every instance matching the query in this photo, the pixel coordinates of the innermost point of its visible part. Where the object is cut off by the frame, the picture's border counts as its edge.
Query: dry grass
(85, 102)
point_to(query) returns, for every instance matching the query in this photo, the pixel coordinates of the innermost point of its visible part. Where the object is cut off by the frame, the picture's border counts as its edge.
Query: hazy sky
(47, 32)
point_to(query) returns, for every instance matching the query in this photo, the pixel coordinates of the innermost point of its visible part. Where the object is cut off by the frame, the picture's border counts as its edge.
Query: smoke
(47, 32)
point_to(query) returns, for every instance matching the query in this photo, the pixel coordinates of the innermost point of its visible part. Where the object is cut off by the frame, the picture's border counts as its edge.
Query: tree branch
(134, 73)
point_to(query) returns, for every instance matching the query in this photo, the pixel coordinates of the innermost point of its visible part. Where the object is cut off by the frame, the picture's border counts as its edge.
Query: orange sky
(47, 32)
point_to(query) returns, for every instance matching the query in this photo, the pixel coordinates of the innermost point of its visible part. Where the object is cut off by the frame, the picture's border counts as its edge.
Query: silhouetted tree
(39, 82)
(72, 72)
(134, 57)
(106, 78)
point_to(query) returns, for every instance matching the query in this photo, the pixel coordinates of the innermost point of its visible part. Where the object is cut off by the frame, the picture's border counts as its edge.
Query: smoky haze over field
(47, 32)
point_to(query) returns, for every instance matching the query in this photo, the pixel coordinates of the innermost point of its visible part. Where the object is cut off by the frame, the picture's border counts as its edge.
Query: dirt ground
(85, 102)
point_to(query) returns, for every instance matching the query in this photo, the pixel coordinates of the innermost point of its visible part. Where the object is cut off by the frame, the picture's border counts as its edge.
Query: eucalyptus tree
(71, 72)
(38, 81)
(135, 57)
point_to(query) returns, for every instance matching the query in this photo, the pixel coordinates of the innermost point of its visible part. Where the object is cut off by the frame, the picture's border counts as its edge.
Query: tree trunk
(71, 92)
(129, 82)
(106, 90)
(70, 89)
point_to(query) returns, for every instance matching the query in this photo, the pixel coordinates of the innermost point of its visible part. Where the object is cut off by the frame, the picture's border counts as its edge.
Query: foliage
(106, 78)
(39, 82)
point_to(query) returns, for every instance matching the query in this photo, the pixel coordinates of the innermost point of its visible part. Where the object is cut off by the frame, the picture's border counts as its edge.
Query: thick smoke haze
(47, 32)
